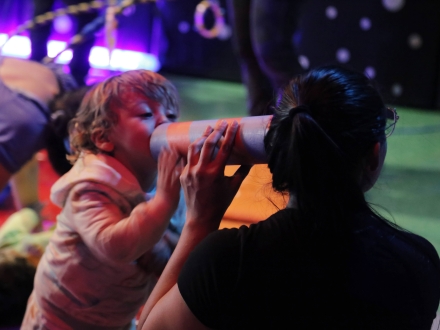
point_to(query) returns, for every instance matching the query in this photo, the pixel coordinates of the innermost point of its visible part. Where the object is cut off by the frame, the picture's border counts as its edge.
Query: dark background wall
(186, 51)
(396, 42)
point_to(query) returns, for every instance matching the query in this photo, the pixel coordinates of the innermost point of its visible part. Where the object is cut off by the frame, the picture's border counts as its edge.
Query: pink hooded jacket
(92, 273)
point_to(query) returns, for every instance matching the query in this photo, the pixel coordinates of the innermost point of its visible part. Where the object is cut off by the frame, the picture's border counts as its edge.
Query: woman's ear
(373, 159)
(373, 165)
(102, 142)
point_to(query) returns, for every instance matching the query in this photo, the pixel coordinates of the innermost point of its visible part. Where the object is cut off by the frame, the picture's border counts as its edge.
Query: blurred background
(395, 42)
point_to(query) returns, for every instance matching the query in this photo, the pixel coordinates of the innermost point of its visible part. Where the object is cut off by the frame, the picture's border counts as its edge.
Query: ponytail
(323, 126)
(303, 156)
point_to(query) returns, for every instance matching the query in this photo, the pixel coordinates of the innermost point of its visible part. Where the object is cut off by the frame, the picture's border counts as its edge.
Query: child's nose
(162, 119)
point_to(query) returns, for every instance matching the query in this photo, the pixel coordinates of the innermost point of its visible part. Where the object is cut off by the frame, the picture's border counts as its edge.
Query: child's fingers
(179, 165)
(211, 142)
(170, 161)
(162, 154)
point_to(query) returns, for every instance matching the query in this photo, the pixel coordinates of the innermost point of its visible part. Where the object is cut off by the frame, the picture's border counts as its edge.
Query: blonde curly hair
(95, 115)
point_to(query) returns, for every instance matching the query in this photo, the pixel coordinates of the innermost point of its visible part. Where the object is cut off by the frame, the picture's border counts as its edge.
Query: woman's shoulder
(280, 220)
(250, 238)
(230, 249)
(401, 267)
(386, 238)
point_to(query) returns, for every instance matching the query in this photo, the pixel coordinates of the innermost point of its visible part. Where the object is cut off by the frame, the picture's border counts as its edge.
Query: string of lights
(72, 10)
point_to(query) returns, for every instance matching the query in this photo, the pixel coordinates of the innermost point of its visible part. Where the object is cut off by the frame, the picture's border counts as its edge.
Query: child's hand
(170, 166)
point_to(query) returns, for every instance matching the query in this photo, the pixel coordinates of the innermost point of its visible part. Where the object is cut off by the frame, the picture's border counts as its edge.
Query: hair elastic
(303, 108)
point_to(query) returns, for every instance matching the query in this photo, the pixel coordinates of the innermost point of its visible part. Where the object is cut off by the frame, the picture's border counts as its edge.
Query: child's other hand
(170, 166)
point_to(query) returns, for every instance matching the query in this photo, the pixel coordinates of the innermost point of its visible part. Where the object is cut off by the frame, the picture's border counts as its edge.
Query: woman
(326, 261)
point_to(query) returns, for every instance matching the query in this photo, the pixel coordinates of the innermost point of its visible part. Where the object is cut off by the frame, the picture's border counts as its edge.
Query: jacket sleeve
(103, 220)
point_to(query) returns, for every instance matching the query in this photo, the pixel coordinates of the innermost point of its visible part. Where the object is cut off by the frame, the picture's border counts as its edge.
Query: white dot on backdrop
(183, 27)
(331, 12)
(393, 5)
(396, 89)
(62, 24)
(365, 23)
(415, 41)
(304, 62)
(343, 55)
(370, 72)
(225, 33)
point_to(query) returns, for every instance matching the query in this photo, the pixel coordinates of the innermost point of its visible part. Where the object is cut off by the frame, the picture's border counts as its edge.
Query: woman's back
(267, 277)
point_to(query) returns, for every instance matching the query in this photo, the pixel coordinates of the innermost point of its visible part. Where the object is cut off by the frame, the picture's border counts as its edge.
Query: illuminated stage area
(162, 36)
(120, 60)
(408, 187)
(410, 183)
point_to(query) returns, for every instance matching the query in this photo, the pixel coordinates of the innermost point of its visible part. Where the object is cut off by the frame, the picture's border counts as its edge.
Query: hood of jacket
(99, 168)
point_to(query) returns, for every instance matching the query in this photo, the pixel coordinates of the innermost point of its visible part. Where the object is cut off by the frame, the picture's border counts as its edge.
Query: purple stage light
(63, 24)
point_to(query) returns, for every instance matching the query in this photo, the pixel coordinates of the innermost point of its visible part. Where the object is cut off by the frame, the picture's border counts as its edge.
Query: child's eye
(171, 116)
(146, 115)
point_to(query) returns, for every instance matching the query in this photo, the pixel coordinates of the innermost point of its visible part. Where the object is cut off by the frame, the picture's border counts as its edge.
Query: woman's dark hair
(63, 108)
(324, 124)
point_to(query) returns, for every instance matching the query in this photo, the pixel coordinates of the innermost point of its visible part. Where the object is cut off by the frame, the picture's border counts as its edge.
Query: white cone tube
(248, 145)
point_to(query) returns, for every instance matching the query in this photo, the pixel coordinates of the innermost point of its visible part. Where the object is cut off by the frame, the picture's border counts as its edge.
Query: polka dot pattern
(225, 33)
(370, 72)
(331, 12)
(184, 27)
(390, 41)
(396, 89)
(365, 23)
(393, 5)
(304, 62)
(343, 55)
(415, 41)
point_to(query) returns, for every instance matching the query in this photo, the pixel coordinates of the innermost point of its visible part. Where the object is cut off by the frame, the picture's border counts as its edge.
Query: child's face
(137, 119)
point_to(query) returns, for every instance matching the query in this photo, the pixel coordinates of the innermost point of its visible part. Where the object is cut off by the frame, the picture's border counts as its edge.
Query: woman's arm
(208, 193)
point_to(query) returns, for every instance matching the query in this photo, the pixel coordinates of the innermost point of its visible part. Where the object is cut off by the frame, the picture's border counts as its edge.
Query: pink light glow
(17, 46)
(121, 60)
(62, 24)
